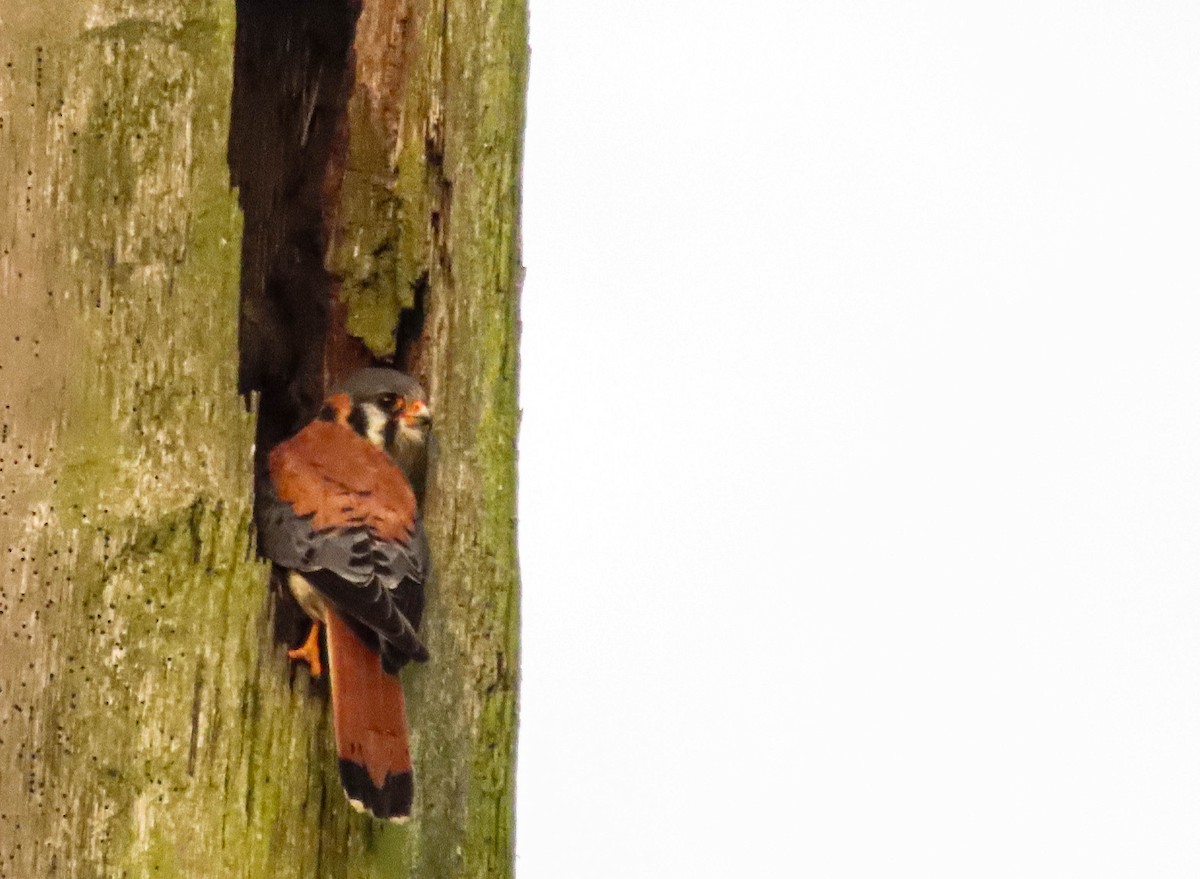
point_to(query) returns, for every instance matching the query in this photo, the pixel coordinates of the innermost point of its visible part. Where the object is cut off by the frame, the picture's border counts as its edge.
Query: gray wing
(376, 584)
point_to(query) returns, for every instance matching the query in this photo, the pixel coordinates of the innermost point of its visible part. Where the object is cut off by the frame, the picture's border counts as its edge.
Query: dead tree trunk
(148, 719)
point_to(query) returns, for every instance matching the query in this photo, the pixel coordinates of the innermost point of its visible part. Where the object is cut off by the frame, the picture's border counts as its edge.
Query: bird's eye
(387, 401)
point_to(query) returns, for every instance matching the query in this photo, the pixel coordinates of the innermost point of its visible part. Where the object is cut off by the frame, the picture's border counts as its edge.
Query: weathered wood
(150, 724)
(431, 205)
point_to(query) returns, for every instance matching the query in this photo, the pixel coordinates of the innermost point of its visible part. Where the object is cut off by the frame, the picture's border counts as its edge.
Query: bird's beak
(417, 414)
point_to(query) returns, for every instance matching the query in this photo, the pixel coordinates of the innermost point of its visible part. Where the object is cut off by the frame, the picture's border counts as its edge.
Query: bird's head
(389, 409)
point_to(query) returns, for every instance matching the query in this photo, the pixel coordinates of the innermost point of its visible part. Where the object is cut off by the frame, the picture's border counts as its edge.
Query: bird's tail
(369, 726)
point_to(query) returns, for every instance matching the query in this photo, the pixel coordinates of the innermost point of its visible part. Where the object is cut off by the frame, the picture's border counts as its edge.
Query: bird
(340, 518)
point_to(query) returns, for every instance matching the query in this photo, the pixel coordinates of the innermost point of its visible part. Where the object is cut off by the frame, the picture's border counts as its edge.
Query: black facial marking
(389, 432)
(358, 420)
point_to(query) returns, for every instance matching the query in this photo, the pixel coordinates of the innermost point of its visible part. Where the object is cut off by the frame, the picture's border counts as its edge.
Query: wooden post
(149, 721)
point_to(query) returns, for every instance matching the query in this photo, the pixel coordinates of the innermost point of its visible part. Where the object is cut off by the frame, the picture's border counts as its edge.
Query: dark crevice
(293, 73)
(194, 739)
(410, 330)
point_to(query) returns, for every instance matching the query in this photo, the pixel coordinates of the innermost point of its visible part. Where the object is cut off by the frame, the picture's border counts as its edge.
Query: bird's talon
(310, 651)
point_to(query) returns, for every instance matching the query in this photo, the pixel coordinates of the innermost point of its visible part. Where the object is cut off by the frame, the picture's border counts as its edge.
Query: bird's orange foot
(310, 651)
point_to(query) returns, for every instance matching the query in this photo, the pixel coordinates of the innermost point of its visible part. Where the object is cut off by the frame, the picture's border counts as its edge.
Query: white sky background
(860, 463)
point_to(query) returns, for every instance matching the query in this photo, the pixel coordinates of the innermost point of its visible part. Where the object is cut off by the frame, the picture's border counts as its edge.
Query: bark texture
(149, 721)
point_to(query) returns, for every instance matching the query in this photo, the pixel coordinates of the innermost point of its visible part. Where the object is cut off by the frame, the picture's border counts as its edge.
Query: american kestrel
(339, 514)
